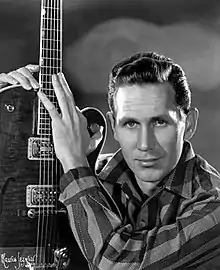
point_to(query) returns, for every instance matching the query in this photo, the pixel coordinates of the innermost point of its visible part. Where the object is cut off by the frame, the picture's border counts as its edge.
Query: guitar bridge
(41, 196)
(40, 149)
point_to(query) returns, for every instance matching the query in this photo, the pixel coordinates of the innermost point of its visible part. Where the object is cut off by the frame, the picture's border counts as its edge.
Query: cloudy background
(98, 33)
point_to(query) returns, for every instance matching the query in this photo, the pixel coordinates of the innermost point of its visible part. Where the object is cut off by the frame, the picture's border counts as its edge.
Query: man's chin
(150, 175)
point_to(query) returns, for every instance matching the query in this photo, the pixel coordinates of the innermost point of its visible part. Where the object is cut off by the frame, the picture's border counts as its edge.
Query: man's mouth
(149, 162)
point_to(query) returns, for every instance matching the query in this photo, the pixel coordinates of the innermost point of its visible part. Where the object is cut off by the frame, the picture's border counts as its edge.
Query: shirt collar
(179, 180)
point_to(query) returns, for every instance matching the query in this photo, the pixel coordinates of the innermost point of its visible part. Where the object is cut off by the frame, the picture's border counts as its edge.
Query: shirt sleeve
(193, 240)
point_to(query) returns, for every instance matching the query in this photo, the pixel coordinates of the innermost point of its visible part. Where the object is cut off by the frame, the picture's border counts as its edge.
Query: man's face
(149, 129)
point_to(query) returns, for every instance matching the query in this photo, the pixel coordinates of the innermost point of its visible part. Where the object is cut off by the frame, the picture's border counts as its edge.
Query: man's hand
(71, 138)
(22, 76)
(70, 134)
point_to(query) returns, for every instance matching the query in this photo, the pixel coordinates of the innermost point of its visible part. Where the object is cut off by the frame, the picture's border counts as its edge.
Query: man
(155, 205)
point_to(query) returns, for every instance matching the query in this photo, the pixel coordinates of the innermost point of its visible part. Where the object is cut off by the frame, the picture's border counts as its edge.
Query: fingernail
(36, 86)
(61, 75)
(54, 77)
(40, 92)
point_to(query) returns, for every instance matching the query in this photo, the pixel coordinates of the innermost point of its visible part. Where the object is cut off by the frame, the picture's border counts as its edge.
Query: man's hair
(149, 67)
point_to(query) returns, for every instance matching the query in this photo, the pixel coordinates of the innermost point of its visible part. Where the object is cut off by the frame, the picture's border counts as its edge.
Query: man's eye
(130, 124)
(160, 122)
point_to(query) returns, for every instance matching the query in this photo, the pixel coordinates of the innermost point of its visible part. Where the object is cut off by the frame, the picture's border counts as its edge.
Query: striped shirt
(119, 227)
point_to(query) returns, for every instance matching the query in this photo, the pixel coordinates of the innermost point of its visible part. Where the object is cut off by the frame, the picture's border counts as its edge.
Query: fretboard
(50, 56)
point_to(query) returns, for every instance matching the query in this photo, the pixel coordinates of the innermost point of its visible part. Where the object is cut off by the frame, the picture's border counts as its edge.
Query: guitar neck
(50, 56)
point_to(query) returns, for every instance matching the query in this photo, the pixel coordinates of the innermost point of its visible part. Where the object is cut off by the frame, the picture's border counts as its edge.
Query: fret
(51, 45)
(49, 25)
(53, 99)
(51, 49)
(53, 61)
(52, 54)
(49, 39)
(53, 58)
(51, 19)
(45, 121)
(45, 134)
(50, 7)
(47, 89)
(47, 82)
(47, 129)
(50, 29)
(43, 111)
(47, 64)
(49, 68)
(46, 77)
(45, 124)
(50, 58)
(43, 114)
(49, 71)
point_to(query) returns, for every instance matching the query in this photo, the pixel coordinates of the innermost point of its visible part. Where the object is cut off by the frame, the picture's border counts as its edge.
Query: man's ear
(191, 123)
(111, 118)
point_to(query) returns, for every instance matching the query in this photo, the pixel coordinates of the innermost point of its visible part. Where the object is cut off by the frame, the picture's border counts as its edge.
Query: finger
(48, 105)
(28, 72)
(33, 68)
(60, 94)
(65, 86)
(7, 79)
(21, 79)
(24, 76)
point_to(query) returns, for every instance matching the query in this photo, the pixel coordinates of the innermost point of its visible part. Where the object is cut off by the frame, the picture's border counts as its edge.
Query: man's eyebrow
(127, 118)
(160, 116)
(132, 118)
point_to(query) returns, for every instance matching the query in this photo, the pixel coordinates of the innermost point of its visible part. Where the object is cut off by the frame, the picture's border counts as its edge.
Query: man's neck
(147, 188)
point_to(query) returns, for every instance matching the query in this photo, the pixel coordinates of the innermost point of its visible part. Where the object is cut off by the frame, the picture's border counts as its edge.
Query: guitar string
(39, 133)
(47, 40)
(45, 35)
(44, 43)
(47, 47)
(54, 67)
(53, 64)
(49, 181)
(58, 55)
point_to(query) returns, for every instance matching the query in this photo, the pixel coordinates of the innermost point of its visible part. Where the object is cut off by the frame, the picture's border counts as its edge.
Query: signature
(21, 262)
(17, 261)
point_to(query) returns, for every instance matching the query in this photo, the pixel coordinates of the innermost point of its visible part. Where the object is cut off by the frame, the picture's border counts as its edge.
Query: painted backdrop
(98, 33)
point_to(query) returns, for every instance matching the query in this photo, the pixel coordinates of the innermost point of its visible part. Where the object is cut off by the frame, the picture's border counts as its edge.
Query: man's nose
(146, 138)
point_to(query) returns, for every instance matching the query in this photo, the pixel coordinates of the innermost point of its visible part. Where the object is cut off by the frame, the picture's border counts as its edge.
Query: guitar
(34, 226)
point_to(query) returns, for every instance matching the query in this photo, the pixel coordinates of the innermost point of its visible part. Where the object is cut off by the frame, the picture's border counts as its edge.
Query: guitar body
(16, 171)
(19, 227)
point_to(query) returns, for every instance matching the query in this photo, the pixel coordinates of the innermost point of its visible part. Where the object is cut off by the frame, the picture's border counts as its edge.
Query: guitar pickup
(41, 196)
(40, 149)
